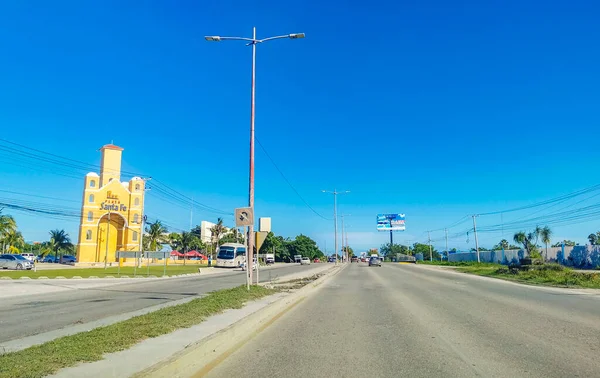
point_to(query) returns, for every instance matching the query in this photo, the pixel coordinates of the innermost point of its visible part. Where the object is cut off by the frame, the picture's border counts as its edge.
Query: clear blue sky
(435, 109)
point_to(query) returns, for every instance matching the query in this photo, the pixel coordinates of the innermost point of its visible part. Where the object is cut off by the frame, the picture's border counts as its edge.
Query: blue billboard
(390, 222)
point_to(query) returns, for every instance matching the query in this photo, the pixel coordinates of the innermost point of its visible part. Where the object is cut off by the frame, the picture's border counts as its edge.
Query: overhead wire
(288, 181)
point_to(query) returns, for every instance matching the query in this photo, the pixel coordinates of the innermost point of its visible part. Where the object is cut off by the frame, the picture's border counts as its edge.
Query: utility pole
(343, 251)
(335, 193)
(447, 252)
(476, 241)
(344, 230)
(429, 240)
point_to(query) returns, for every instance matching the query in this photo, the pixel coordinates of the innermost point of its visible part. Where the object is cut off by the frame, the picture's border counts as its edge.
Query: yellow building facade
(111, 212)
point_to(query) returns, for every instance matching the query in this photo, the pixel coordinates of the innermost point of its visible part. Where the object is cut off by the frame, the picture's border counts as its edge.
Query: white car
(305, 261)
(28, 256)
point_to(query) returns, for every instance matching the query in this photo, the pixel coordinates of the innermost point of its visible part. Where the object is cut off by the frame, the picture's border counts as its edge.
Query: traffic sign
(244, 216)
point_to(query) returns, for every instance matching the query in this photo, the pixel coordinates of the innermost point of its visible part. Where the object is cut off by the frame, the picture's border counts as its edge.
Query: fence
(580, 256)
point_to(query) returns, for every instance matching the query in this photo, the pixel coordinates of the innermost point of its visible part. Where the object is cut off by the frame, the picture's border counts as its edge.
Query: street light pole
(335, 193)
(252, 42)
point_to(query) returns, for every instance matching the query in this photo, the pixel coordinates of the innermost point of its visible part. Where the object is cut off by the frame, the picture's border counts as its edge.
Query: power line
(288, 181)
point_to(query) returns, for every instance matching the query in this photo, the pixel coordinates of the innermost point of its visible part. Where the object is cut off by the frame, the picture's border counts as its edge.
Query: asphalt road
(411, 321)
(34, 314)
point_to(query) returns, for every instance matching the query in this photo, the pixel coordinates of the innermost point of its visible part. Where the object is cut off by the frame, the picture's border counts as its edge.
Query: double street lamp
(252, 42)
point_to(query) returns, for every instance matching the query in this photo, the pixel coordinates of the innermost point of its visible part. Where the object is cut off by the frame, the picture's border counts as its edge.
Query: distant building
(206, 233)
(111, 212)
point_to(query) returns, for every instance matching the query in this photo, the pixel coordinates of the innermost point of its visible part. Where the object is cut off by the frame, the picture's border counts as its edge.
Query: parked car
(28, 256)
(305, 261)
(374, 261)
(17, 262)
(50, 259)
(68, 259)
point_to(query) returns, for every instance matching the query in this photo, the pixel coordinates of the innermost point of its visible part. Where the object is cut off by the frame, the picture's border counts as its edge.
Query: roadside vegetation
(546, 274)
(101, 272)
(48, 358)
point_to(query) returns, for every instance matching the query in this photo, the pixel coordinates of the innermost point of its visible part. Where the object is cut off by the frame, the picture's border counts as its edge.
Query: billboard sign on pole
(390, 222)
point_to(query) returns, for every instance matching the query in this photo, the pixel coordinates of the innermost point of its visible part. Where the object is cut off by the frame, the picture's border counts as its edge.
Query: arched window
(91, 198)
(92, 183)
(136, 218)
(135, 235)
(88, 235)
(137, 187)
(90, 216)
(136, 202)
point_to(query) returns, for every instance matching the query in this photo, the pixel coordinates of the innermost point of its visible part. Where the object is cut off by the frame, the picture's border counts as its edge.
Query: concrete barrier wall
(581, 256)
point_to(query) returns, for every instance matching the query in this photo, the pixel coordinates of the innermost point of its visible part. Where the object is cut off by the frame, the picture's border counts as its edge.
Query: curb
(199, 358)
(96, 277)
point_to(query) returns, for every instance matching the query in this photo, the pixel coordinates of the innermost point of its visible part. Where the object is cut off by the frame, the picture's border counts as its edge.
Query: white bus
(231, 255)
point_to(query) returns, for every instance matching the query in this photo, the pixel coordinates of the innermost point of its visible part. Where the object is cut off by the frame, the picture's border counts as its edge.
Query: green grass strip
(48, 358)
(564, 277)
(101, 272)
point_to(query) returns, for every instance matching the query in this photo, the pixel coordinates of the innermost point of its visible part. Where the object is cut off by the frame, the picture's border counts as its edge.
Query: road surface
(34, 314)
(412, 321)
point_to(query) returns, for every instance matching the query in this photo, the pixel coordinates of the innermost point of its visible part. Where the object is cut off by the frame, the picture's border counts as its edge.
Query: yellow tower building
(111, 213)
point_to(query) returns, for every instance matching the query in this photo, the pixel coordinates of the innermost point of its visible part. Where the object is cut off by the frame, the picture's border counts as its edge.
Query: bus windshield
(225, 253)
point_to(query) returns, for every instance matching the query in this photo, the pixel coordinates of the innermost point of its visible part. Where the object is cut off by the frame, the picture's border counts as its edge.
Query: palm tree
(186, 242)
(59, 241)
(14, 240)
(7, 225)
(217, 231)
(593, 238)
(521, 238)
(155, 234)
(545, 235)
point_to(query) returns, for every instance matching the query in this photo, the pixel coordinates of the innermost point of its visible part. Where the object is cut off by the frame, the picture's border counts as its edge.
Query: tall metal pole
(343, 250)
(335, 224)
(447, 252)
(251, 184)
(429, 240)
(476, 241)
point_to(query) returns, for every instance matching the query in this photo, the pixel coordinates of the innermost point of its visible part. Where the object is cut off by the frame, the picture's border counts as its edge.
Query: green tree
(529, 242)
(305, 246)
(60, 242)
(348, 250)
(424, 249)
(13, 239)
(593, 238)
(154, 236)
(390, 250)
(7, 225)
(568, 243)
(546, 235)
(217, 231)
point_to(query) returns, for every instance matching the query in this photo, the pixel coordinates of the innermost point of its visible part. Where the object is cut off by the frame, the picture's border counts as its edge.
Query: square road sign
(244, 216)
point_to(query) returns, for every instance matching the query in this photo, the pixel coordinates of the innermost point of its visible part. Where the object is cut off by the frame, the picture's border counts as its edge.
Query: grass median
(48, 358)
(548, 274)
(101, 272)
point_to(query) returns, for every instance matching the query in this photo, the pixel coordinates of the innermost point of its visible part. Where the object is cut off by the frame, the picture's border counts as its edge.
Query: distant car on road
(354, 259)
(68, 259)
(49, 259)
(17, 262)
(317, 260)
(374, 261)
(331, 259)
(305, 261)
(364, 259)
